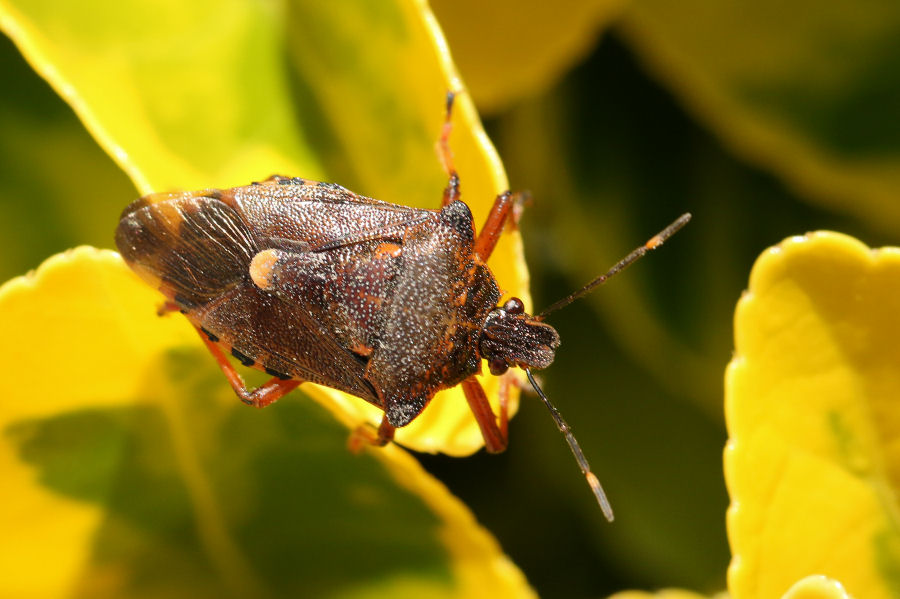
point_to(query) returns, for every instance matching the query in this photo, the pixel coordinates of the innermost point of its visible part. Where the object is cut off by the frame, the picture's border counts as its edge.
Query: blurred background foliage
(763, 119)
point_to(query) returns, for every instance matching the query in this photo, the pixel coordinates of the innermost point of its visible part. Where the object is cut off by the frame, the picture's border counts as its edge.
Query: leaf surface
(812, 460)
(508, 50)
(130, 469)
(218, 94)
(805, 89)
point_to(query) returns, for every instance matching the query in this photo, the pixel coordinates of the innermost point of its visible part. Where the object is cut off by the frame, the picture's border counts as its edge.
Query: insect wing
(291, 216)
(279, 338)
(191, 246)
(197, 249)
(345, 288)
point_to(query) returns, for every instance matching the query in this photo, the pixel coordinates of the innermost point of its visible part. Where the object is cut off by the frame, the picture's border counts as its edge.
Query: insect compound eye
(497, 366)
(514, 306)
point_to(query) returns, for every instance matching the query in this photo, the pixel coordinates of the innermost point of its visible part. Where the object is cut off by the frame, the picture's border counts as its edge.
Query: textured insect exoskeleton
(310, 282)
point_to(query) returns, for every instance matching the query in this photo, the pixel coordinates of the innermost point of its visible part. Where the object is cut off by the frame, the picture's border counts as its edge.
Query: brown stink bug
(310, 282)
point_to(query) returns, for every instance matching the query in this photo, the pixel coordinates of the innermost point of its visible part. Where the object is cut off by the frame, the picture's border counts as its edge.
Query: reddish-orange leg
(503, 397)
(275, 388)
(167, 307)
(367, 434)
(262, 396)
(495, 436)
(506, 209)
(451, 192)
(504, 204)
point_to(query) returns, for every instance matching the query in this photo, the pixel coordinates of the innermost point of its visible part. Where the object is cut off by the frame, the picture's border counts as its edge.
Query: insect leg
(503, 395)
(495, 437)
(451, 192)
(366, 434)
(166, 307)
(506, 205)
(259, 397)
(507, 381)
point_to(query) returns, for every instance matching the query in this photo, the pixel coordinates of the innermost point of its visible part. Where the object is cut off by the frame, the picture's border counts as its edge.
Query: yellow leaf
(45, 205)
(663, 594)
(507, 49)
(811, 406)
(222, 93)
(129, 469)
(140, 74)
(817, 587)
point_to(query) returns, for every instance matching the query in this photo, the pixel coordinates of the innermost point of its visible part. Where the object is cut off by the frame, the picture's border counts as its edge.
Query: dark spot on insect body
(275, 373)
(291, 181)
(243, 359)
(211, 337)
(458, 216)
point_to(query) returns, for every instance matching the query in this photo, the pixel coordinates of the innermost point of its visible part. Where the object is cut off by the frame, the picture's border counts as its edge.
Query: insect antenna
(653, 243)
(576, 450)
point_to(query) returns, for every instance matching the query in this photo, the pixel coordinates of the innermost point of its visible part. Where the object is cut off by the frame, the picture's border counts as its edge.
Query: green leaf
(179, 95)
(806, 89)
(130, 469)
(220, 94)
(58, 189)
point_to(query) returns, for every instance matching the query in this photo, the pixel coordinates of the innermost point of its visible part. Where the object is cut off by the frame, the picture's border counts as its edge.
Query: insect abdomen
(191, 246)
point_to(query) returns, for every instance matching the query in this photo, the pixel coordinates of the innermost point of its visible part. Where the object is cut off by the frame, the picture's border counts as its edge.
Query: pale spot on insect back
(261, 268)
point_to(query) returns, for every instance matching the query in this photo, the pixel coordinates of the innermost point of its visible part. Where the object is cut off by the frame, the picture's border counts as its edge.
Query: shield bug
(310, 282)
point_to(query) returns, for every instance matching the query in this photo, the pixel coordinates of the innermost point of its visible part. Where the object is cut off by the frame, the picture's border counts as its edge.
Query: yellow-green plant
(128, 467)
